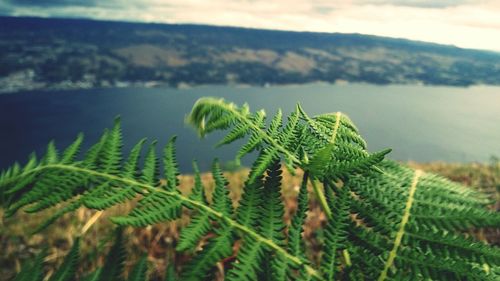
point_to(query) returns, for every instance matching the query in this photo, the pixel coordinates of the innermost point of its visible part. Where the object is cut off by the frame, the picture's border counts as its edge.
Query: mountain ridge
(55, 53)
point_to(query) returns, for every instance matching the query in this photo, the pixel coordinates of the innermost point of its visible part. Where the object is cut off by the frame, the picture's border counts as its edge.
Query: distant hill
(38, 53)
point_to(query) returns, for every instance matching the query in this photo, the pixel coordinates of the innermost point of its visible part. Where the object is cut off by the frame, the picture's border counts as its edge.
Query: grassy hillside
(68, 53)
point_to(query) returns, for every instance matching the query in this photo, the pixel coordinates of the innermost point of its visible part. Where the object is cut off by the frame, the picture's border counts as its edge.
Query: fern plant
(385, 221)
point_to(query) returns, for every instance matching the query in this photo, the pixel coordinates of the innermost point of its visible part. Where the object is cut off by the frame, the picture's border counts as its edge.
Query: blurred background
(421, 77)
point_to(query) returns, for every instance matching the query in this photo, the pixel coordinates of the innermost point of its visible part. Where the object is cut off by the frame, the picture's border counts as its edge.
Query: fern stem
(269, 243)
(322, 200)
(401, 231)
(317, 191)
(336, 126)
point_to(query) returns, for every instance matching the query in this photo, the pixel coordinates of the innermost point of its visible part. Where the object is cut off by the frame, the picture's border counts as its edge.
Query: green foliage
(170, 273)
(139, 272)
(115, 260)
(200, 221)
(67, 271)
(32, 270)
(385, 221)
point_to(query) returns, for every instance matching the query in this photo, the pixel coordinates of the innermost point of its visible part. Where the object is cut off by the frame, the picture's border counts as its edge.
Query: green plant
(385, 221)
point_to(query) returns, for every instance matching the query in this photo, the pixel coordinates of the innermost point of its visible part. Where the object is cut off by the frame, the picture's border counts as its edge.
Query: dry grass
(150, 56)
(159, 240)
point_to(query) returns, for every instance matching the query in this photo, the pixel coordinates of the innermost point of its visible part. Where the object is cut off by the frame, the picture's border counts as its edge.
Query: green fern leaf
(336, 232)
(171, 166)
(67, 208)
(248, 211)
(32, 270)
(170, 273)
(221, 202)
(94, 276)
(295, 241)
(216, 249)
(92, 155)
(115, 260)
(386, 221)
(200, 222)
(198, 192)
(139, 271)
(194, 231)
(110, 156)
(72, 150)
(153, 208)
(150, 172)
(51, 156)
(249, 258)
(131, 168)
(67, 271)
(270, 224)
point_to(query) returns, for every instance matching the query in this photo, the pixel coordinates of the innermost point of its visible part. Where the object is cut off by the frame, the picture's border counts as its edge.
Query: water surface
(420, 123)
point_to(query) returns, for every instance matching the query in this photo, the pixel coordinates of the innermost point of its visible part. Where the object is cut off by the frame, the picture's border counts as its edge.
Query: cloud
(53, 3)
(419, 3)
(466, 23)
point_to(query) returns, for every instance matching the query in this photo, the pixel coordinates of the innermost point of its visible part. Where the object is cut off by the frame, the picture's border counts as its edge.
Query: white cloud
(465, 23)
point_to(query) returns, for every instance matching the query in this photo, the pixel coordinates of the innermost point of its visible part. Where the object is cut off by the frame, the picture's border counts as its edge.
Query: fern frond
(199, 224)
(216, 249)
(153, 208)
(93, 276)
(220, 246)
(32, 270)
(207, 113)
(110, 155)
(248, 210)
(92, 155)
(158, 204)
(115, 260)
(67, 208)
(139, 271)
(72, 150)
(171, 166)
(387, 221)
(131, 167)
(249, 259)
(340, 150)
(198, 191)
(295, 241)
(336, 231)
(170, 273)
(51, 155)
(221, 202)
(67, 271)
(270, 224)
(345, 152)
(150, 172)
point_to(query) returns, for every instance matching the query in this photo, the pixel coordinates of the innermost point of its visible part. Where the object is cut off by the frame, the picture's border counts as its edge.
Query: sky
(463, 23)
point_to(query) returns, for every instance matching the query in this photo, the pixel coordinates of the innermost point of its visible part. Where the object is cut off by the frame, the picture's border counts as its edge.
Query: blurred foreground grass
(159, 241)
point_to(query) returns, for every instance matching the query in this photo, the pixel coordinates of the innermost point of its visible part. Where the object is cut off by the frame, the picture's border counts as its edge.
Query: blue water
(420, 123)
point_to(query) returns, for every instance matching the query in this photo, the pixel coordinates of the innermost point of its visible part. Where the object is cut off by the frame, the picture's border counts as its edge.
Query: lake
(419, 123)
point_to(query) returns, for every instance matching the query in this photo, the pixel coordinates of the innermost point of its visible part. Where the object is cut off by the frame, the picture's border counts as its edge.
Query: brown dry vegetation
(150, 56)
(159, 240)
